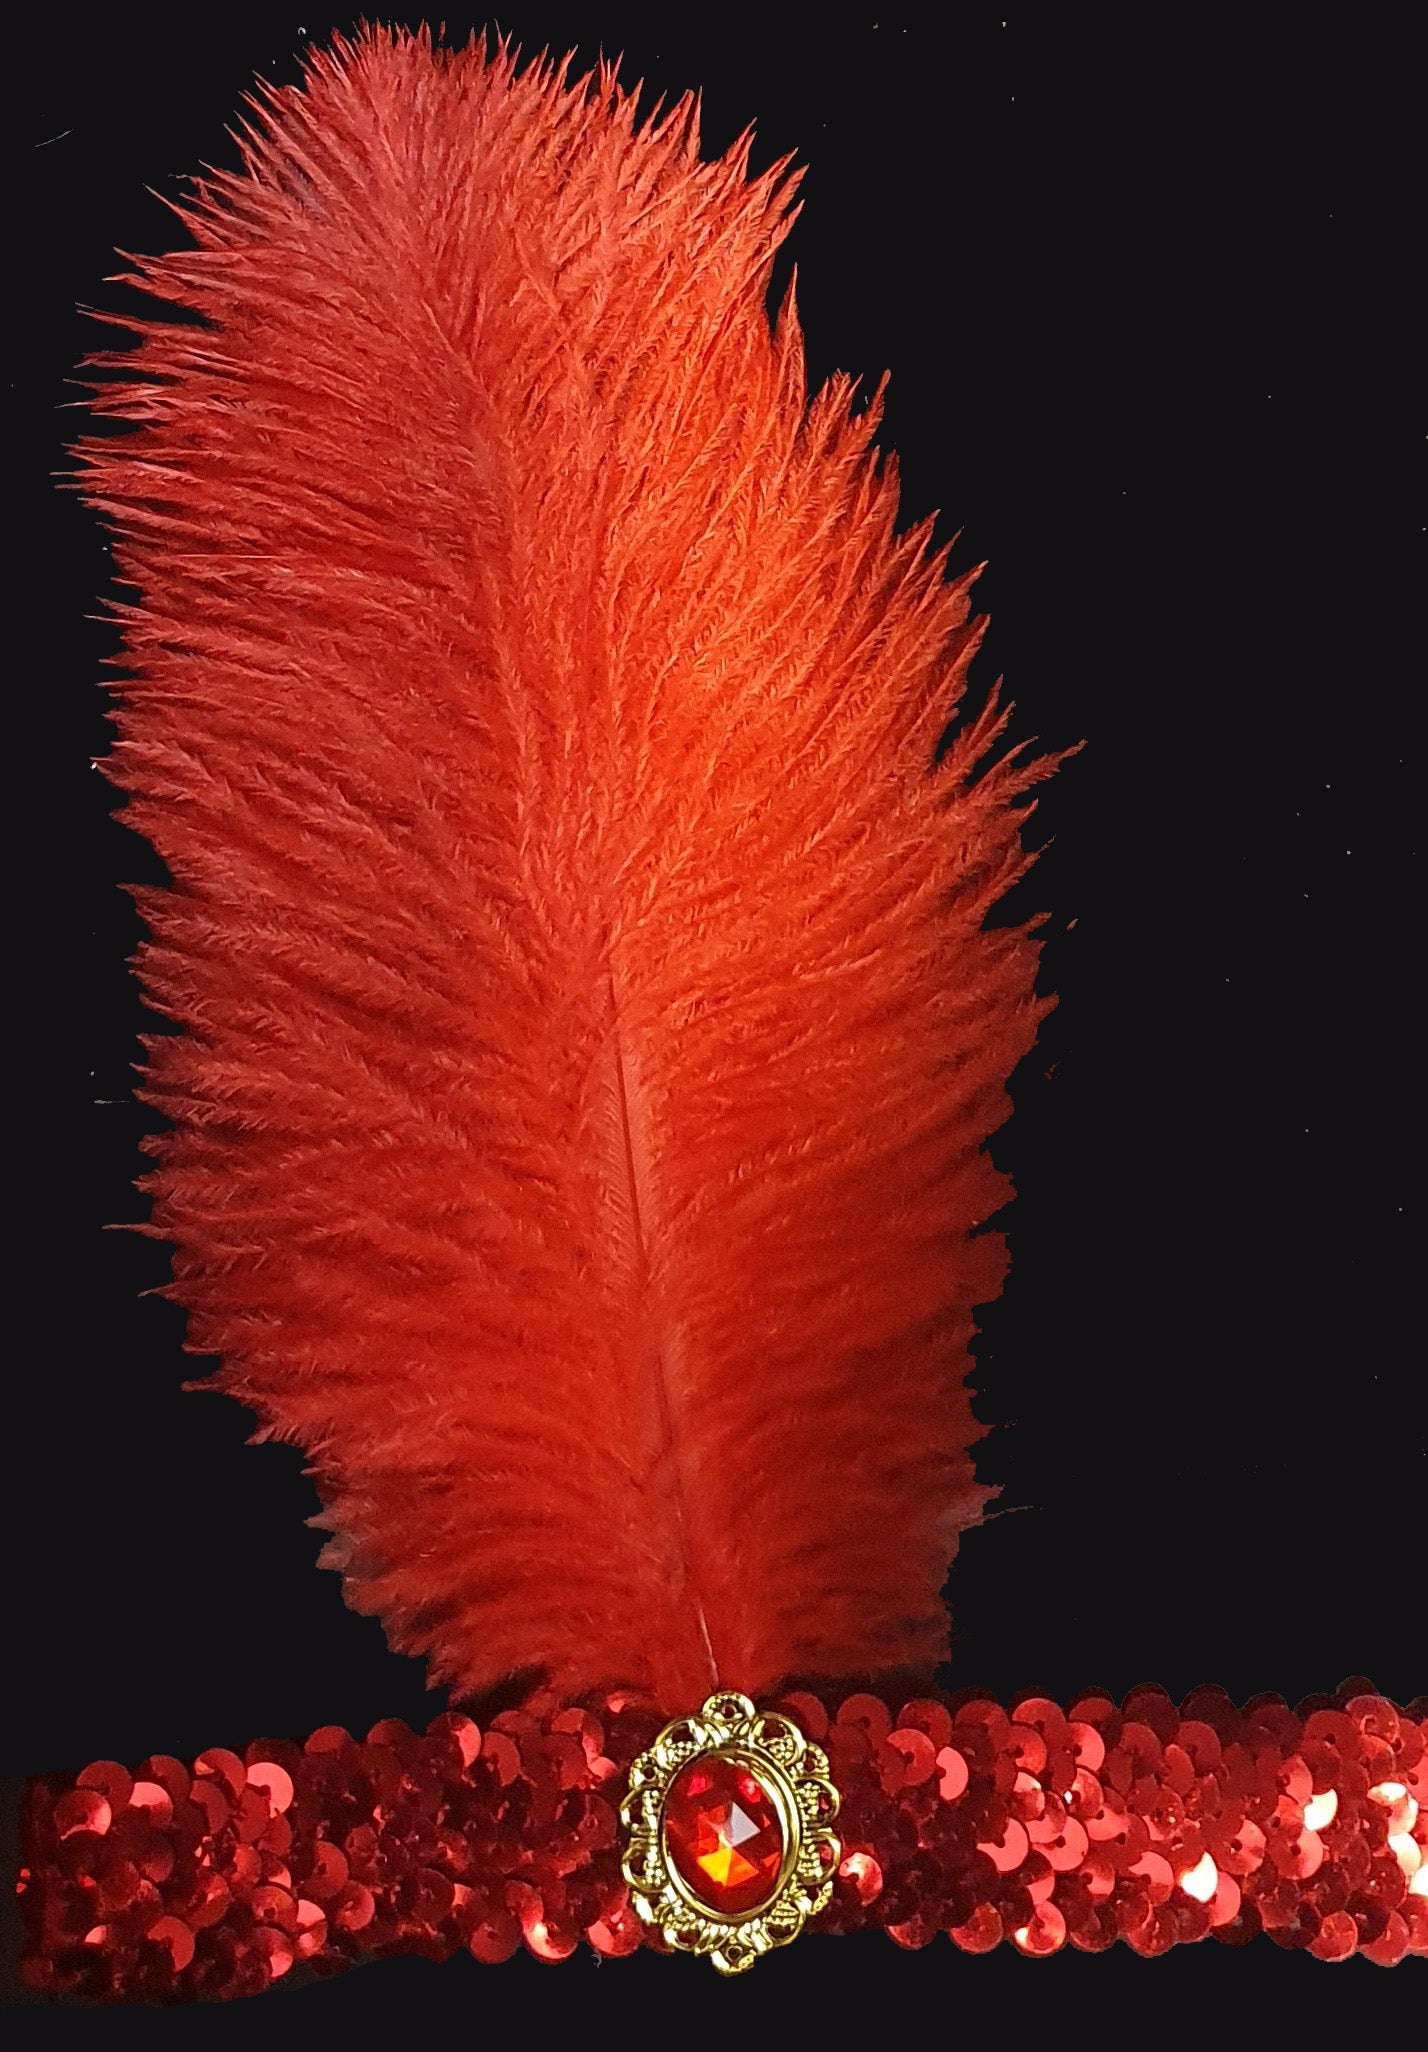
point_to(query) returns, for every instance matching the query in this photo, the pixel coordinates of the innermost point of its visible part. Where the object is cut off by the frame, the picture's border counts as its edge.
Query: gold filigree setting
(791, 1772)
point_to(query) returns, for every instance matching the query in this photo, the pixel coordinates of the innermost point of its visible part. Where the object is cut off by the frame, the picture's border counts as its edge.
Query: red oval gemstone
(723, 1833)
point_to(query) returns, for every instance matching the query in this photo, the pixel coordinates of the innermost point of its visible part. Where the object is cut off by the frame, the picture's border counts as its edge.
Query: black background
(1142, 285)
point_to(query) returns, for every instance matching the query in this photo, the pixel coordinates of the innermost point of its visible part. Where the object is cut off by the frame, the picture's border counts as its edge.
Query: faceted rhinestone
(724, 1834)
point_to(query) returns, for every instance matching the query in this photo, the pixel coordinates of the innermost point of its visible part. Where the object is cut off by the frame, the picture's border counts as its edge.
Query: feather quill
(590, 1030)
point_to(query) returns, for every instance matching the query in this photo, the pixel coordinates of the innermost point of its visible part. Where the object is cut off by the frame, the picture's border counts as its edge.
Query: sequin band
(1030, 1824)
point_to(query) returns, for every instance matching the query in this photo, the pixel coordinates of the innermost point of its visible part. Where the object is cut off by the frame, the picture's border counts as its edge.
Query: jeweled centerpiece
(729, 1847)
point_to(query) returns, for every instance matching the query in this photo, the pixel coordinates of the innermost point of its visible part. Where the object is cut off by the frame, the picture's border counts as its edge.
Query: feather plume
(590, 1030)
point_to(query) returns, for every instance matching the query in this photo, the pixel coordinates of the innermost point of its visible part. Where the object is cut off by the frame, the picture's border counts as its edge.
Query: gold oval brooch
(729, 1846)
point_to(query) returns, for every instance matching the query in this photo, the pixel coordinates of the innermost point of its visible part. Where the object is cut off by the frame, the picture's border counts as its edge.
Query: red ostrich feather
(590, 1027)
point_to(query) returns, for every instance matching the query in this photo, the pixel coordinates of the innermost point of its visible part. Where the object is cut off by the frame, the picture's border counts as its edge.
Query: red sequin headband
(729, 1829)
(1034, 1826)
